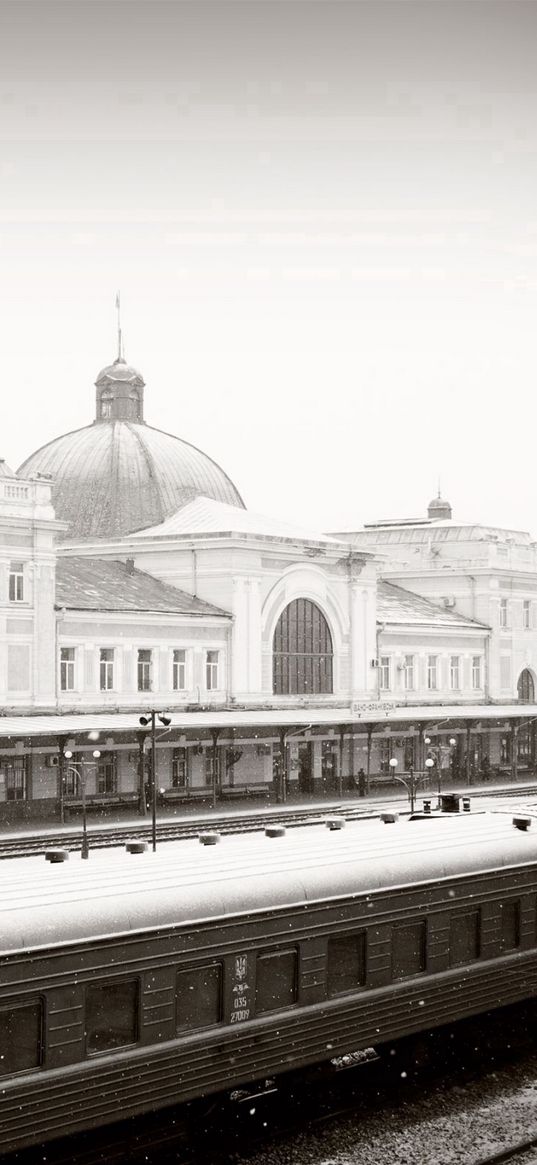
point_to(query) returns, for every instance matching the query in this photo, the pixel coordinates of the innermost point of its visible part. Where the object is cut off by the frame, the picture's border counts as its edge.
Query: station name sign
(382, 706)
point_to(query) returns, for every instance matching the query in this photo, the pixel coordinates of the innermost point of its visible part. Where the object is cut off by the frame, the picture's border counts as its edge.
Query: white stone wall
(160, 634)
(27, 625)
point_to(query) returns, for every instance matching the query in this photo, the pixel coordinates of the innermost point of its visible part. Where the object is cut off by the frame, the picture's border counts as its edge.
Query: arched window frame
(302, 651)
(106, 405)
(526, 687)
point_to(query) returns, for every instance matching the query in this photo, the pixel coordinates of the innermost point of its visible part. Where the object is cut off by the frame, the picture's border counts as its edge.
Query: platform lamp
(437, 759)
(150, 721)
(78, 770)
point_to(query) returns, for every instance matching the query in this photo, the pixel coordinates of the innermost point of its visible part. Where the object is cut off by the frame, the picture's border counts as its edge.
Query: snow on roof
(183, 883)
(99, 584)
(205, 516)
(397, 605)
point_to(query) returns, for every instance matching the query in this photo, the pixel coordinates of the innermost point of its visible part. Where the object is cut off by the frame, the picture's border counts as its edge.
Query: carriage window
(346, 963)
(509, 924)
(199, 997)
(464, 938)
(111, 1016)
(276, 980)
(408, 950)
(20, 1038)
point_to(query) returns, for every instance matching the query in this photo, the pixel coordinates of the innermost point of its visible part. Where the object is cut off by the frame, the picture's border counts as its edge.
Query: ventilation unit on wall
(52, 762)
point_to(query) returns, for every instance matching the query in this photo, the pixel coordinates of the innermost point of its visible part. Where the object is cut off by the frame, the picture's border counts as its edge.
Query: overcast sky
(322, 217)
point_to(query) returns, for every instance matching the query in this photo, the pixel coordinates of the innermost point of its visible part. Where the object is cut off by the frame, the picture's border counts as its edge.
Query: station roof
(208, 517)
(397, 605)
(185, 884)
(100, 584)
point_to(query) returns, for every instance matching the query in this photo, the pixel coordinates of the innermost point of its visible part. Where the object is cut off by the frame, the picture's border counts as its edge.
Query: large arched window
(526, 687)
(302, 651)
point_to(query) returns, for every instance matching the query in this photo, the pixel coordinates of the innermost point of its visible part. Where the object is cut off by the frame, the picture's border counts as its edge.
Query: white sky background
(323, 221)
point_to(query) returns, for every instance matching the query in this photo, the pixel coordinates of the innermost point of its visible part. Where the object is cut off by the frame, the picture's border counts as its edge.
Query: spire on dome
(120, 356)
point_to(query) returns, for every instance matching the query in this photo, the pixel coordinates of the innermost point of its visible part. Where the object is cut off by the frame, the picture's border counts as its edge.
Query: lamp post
(410, 784)
(150, 721)
(78, 770)
(436, 759)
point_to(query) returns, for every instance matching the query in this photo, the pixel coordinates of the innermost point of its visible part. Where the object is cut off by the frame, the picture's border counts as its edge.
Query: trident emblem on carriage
(240, 967)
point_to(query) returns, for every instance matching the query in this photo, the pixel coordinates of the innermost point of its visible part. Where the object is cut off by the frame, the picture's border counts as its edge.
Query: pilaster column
(239, 670)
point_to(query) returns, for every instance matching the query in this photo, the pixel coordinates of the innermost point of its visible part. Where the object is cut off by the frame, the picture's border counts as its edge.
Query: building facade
(289, 662)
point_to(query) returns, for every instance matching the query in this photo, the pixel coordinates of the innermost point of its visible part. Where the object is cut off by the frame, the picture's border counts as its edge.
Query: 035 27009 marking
(239, 1016)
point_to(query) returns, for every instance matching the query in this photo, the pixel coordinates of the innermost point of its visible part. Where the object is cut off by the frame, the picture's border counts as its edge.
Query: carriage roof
(182, 883)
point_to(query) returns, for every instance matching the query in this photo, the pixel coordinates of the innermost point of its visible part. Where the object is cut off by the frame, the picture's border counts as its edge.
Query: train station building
(133, 580)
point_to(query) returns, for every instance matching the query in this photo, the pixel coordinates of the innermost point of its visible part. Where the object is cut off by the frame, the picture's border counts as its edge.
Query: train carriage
(133, 982)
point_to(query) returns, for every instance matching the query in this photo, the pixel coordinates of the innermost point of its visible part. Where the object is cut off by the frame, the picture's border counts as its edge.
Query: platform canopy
(251, 719)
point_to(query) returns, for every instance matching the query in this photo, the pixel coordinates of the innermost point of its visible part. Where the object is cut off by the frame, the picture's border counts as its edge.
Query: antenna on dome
(119, 341)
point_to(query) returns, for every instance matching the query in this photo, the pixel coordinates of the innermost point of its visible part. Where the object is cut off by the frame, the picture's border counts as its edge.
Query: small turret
(439, 510)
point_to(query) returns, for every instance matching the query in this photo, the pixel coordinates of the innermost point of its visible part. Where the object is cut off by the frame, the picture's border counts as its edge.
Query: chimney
(130, 565)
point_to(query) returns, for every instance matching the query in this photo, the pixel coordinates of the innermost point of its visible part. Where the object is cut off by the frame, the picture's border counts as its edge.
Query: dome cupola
(439, 510)
(120, 393)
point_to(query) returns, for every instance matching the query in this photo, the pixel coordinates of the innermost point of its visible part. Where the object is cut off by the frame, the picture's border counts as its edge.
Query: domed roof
(439, 509)
(119, 474)
(120, 370)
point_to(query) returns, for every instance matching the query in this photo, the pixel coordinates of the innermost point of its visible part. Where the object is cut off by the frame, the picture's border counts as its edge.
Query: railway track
(524, 1152)
(27, 845)
(69, 837)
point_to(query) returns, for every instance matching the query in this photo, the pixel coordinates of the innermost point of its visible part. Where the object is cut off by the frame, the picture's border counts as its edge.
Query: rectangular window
(179, 670)
(509, 924)
(198, 995)
(455, 673)
(210, 768)
(107, 773)
(408, 673)
(179, 768)
(385, 752)
(408, 950)
(106, 669)
(211, 671)
(329, 761)
(111, 1016)
(505, 750)
(476, 672)
(277, 980)
(385, 680)
(346, 963)
(14, 773)
(464, 938)
(16, 582)
(144, 669)
(432, 672)
(67, 669)
(526, 614)
(20, 1038)
(503, 612)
